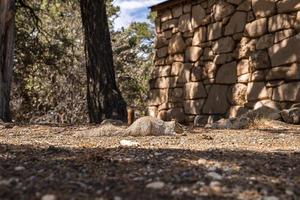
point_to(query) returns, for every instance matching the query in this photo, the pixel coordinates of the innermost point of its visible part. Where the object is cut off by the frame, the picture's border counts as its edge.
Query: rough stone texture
(214, 31)
(287, 92)
(177, 11)
(161, 71)
(291, 116)
(236, 111)
(236, 24)
(284, 73)
(227, 74)
(166, 15)
(162, 52)
(199, 36)
(198, 15)
(184, 23)
(222, 57)
(169, 24)
(284, 6)
(257, 91)
(239, 93)
(193, 107)
(285, 52)
(194, 90)
(265, 42)
(259, 60)
(281, 21)
(224, 45)
(193, 53)
(281, 35)
(217, 100)
(222, 10)
(256, 28)
(263, 8)
(243, 67)
(176, 44)
(177, 68)
(196, 74)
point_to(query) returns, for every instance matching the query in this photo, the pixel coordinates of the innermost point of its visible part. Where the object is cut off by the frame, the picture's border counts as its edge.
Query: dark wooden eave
(167, 4)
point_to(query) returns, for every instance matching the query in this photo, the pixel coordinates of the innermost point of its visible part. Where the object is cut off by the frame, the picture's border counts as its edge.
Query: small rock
(291, 116)
(215, 187)
(215, 176)
(19, 168)
(49, 197)
(156, 185)
(128, 143)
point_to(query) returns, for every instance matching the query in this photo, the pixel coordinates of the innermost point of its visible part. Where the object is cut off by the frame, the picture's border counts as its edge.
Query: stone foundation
(224, 57)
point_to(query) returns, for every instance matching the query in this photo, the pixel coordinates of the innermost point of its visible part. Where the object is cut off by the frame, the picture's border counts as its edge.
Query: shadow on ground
(124, 172)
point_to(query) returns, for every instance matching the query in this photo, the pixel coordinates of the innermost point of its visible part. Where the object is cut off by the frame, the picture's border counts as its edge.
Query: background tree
(49, 82)
(103, 96)
(7, 20)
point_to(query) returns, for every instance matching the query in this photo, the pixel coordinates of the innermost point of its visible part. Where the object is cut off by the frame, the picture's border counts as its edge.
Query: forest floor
(48, 163)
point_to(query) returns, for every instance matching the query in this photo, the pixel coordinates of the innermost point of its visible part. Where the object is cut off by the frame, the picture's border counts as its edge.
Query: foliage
(50, 75)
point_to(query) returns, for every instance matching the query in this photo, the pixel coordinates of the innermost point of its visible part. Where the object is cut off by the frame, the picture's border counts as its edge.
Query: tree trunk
(7, 23)
(103, 96)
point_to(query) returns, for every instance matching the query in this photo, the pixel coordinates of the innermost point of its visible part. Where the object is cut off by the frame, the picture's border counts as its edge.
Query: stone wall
(224, 57)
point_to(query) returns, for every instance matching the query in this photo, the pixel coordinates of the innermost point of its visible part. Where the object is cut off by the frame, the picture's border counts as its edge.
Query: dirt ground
(48, 162)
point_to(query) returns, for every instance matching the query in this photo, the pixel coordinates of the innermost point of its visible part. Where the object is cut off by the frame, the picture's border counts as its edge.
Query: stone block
(192, 54)
(161, 71)
(166, 15)
(214, 31)
(288, 73)
(258, 76)
(287, 92)
(198, 15)
(209, 70)
(223, 58)
(281, 35)
(196, 74)
(265, 42)
(152, 111)
(157, 97)
(184, 23)
(222, 10)
(227, 74)
(199, 36)
(236, 23)
(239, 94)
(177, 11)
(259, 60)
(281, 21)
(177, 68)
(285, 6)
(256, 28)
(176, 44)
(193, 107)
(184, 76)
(224, 45)
(217, 102)
(194, 90)
(257, 91)
(170, 24)
(263, 8)
(286, 51)
(244, 78)
(243, 67)
(162, 52)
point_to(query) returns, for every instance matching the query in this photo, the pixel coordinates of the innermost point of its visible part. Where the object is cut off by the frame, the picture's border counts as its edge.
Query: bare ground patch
(206, 164)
